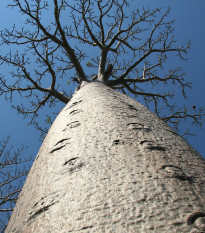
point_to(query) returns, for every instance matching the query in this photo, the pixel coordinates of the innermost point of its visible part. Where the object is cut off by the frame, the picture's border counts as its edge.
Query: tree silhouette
(13, 169)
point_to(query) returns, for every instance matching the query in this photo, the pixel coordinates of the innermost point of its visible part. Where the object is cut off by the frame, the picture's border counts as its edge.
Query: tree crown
(116, 42)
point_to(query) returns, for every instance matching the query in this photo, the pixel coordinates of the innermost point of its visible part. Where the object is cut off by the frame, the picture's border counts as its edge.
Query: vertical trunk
(110, 165)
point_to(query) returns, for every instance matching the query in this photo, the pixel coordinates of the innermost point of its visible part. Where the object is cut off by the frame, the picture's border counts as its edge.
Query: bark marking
(73, 104)
(176, 172)
(40, 211)
(74, 124)
(138, 126)
(73, 164)
(151, 145)
(75, 112)
(58, 148)
(62, 141)
(192, 218)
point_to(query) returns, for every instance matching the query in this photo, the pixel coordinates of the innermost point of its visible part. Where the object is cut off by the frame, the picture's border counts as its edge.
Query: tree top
(63, 43)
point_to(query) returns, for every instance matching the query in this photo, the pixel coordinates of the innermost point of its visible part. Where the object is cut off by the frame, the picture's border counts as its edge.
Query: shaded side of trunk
(110, 165)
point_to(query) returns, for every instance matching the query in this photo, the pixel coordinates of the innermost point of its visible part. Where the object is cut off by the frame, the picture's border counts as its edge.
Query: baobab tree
(107, 164)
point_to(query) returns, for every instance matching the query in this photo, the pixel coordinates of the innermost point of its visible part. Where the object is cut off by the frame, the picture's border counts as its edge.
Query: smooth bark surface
(110, 165)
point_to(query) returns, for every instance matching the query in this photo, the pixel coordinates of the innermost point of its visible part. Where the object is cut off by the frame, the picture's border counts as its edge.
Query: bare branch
(84, 11)
(11, 180)
(66, 46)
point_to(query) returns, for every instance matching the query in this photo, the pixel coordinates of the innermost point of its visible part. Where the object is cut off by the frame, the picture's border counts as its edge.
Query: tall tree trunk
(110, 165)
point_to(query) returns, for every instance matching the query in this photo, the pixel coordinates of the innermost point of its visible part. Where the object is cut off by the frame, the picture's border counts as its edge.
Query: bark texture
(110, 165)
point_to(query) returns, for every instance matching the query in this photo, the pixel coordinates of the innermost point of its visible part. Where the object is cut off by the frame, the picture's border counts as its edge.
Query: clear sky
(189, 16)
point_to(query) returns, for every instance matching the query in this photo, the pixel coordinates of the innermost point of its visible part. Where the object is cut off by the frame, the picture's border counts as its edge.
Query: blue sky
(189, 23)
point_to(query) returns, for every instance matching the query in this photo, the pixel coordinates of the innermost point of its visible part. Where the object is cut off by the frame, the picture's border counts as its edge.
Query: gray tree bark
(110, 165)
